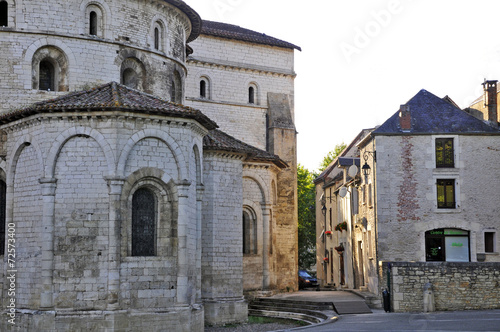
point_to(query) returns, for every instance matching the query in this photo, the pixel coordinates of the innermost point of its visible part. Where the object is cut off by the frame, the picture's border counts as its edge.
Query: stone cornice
(91, 117)
(240, 66)
(263, 166)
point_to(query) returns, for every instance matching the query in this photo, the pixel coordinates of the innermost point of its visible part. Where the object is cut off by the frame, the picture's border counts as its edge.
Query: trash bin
(428, 298)
(387, 300)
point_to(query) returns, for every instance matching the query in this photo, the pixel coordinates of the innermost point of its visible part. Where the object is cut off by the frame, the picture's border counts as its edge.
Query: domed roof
(194, 17)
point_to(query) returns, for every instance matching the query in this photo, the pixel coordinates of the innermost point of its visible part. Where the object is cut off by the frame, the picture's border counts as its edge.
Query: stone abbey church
(147, 166)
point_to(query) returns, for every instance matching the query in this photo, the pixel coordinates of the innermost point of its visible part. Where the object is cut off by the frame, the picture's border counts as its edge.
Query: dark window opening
(129, 78)
(46, 76)
(93, 23)
(157, 39)
(4, 13)
(251, 95)
(446, 194)
(203, 89)
(249, 234)
(445, 152)
(176, 88)
(3, 205)
(489, 242)
(143, 222)
(172, 91)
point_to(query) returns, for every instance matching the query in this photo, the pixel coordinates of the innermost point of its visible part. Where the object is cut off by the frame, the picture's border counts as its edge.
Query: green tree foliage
(331, 156)
(307, 217)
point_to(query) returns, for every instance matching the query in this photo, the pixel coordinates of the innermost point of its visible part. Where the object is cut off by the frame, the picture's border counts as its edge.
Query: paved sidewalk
(344, 302)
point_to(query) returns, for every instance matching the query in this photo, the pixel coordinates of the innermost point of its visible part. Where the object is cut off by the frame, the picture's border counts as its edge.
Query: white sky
(361, 59)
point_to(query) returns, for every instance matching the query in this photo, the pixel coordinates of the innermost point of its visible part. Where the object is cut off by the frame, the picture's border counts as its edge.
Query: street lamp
(366, 168)
(323, 210)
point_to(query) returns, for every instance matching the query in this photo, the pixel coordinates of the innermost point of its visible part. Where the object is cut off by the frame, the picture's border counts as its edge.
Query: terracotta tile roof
(217, 140)
(433, 115)
(111, 96)
(229, 31)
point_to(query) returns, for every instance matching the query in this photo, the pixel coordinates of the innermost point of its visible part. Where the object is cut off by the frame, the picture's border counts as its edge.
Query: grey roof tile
(229, 31)
(111, 96)
(433, 115)
(217, 140)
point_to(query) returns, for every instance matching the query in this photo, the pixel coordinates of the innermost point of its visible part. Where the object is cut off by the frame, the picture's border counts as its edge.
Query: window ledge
(446, 171)
(450, 211)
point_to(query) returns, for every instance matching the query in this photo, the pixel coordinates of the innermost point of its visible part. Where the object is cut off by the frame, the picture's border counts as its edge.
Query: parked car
(306, 280)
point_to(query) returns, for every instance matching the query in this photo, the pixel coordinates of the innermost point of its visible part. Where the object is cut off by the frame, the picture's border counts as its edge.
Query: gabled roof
(111, 97)
(229, 31)
(217, 140)
(433, 115)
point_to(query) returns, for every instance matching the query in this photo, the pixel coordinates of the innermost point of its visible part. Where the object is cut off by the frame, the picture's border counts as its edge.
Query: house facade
(428, 216)
(161, 200)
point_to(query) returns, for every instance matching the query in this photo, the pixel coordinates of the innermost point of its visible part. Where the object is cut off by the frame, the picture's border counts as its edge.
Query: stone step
(311, 305)
(298, 310)
(308, 318)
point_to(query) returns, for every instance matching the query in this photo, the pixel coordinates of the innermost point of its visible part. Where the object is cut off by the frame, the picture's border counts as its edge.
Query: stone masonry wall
(91, 60)
(406, 177)
(222, 241)
(456, 286)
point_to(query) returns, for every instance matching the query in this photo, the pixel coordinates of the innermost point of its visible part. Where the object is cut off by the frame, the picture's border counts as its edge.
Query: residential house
(430, 212)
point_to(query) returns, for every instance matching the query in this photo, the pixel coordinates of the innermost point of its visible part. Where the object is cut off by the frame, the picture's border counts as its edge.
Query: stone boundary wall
(456, 286)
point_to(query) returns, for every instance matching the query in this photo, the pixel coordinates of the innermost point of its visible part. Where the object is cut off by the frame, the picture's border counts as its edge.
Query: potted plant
(341, 226)
(328, 232)
(325, 260)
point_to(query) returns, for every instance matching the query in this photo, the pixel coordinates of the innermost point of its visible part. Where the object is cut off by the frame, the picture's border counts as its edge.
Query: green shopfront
(447, 245)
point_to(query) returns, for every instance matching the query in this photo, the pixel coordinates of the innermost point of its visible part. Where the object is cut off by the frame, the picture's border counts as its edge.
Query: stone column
(266, 216)
(183, 259)
(115, 186)
(48, 187)
(199, 200)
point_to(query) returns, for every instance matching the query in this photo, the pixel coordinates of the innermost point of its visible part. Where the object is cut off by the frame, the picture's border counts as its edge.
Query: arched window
(176, 88)
(129, 78)
(203, 89)
(249, 233)
(49, 68)
(4, 13)
(93, 23)
(157, 39)
(143, 222)
(251, 95)
(3, 205)
(46, 76)
(95, 16)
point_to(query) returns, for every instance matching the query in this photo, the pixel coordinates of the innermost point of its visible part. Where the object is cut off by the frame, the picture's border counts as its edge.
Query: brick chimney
(405, 117)
(490, 101)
